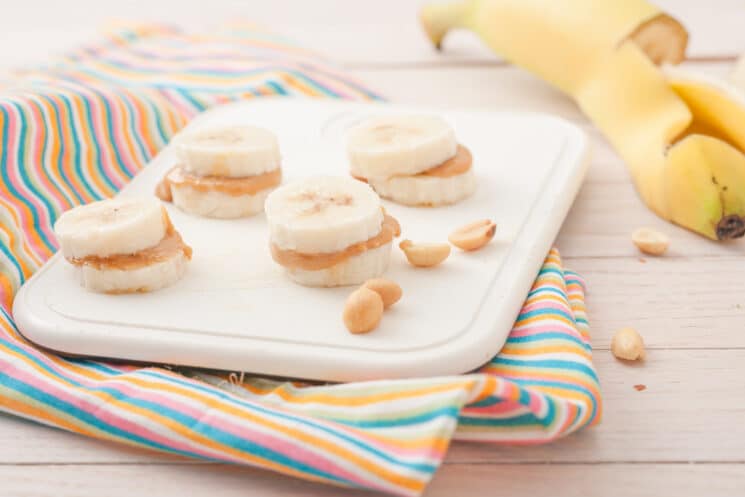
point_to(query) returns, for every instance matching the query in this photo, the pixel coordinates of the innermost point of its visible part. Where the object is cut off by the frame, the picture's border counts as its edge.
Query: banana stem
(438, 19)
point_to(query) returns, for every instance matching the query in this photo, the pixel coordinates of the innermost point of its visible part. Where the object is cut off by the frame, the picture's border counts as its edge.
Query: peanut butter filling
(457, 164)
(247, 185)
(315, 262)
(171, 244)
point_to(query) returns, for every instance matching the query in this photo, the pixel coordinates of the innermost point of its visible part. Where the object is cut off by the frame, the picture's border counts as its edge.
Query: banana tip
(730, 227)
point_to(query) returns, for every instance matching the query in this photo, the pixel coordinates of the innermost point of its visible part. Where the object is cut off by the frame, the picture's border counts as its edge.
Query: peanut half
(473, 236)
(425, 254)
(363, 310)
(650, 241)
(388, 290)
(628, 344)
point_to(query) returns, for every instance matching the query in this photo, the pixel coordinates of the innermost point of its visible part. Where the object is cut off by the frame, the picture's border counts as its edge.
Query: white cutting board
(235, 310)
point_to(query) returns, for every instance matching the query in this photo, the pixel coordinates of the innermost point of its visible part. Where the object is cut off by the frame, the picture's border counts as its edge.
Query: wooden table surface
(684, 435)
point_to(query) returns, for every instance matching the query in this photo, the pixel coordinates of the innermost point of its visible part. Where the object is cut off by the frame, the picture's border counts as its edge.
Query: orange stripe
(14, 208)
(88, 130)
(26, 270)
(302, 397)
(207, 442)
(142, 124)
(7, 293)
(46, 414)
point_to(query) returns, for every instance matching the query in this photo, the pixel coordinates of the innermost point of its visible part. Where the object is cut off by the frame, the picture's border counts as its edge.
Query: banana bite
(412, 160)
(329, 231)
(122, 245)
(223, 172)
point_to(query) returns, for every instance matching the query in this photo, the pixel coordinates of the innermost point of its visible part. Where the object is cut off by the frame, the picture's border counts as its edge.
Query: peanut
(473, 236)
(362, 311)
(628, 344)
(425, 254)
(650, 241)
(388, 290)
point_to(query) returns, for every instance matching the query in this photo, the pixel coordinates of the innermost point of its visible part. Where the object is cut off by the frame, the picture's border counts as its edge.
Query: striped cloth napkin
(78, 130)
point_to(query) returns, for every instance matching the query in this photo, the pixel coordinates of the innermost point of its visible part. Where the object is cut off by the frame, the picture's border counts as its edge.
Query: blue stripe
(110, 132)
(12, 258)
(547, 289)
(76, 148)
(449, 411)
(551, 335)
(58, 126)
(198, 105)
(255, 407)
(44, 146)
(20, 156)
(547, 363)
(276, 87)
(6, 178)
(196, 426)
(545, 312)
(94, 141)
(138, 138)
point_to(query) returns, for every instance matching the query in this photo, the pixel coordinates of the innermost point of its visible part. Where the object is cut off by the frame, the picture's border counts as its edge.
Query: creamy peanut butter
(247, 185)
(315, 262)
(457, 164)
(171, 244)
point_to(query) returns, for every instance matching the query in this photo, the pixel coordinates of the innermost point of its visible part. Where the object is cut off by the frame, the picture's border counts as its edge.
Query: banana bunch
(682, 135)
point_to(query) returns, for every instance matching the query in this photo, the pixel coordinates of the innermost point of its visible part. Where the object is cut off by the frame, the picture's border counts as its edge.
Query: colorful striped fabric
(78, 130)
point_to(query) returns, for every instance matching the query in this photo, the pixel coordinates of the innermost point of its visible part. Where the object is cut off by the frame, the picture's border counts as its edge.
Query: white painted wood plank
(488, 88)
(623, 480)
(604, 215)
(675, 303)
(688, 412)
(691, 410)
(354, 33)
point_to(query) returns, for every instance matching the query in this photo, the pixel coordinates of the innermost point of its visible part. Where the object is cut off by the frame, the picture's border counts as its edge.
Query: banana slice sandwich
(223, 172)
(123, 245)
(329, 231)
(412, 160)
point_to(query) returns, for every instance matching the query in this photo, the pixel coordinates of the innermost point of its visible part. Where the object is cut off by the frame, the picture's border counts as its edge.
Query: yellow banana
(678, 134)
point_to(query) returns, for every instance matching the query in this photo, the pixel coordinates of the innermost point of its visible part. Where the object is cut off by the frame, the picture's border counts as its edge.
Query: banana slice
(144, 279)
(328, 231)
(232, 152)
(322, 214)
(108, 227)
(216, 204)
(426, 191)
(353, 271)
(383, 147)
(122, 245)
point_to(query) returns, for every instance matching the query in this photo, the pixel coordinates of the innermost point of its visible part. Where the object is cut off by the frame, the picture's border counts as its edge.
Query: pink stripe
(99, 127)
(15, 180)
(534, 329)
(37, 143)
(241, 431)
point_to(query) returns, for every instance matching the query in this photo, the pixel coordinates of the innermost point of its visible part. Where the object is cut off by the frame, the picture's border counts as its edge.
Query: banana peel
(682, 136)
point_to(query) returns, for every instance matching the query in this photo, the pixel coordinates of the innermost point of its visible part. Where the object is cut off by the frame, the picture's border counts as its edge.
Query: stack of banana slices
(122, 245)
(223, 172)
(412, 160)
(329, 231)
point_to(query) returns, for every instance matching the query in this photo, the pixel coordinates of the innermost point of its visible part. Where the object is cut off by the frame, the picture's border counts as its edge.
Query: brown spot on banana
(730, 227)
